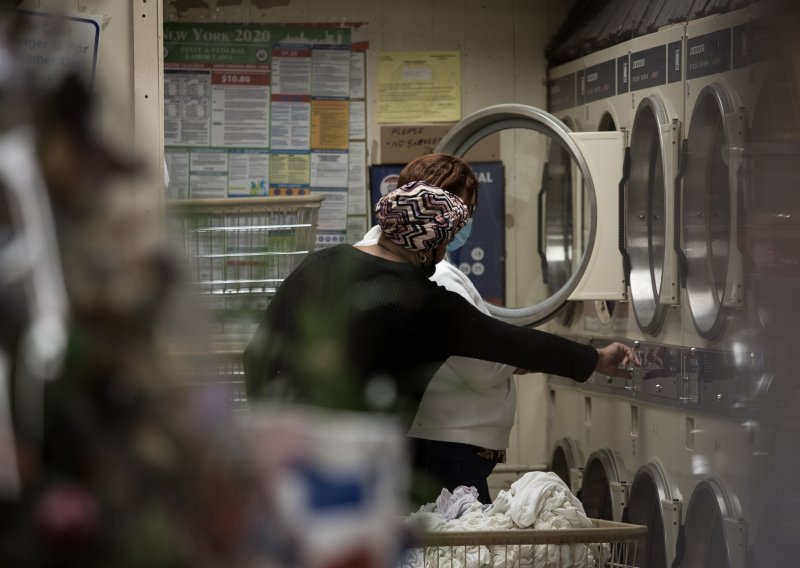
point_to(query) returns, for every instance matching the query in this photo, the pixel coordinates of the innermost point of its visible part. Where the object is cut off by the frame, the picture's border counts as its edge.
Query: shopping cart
(606, 544)
(238, 252)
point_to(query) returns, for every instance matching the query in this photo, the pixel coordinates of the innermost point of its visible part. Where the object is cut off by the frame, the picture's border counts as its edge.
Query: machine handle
(540, 226)
(623, 250)
(678, 233)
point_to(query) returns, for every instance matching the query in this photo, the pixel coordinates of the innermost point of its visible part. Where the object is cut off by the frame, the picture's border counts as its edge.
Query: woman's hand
(616, 360)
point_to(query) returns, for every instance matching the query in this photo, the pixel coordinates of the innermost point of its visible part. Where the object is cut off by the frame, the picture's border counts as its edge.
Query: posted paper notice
(419, 86)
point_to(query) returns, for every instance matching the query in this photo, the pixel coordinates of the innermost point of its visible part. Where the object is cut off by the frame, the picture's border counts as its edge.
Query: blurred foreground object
(113, 462)
(337, 480)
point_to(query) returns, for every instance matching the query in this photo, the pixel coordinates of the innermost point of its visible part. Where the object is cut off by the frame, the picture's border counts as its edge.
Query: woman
(363, 328)
(463, 424)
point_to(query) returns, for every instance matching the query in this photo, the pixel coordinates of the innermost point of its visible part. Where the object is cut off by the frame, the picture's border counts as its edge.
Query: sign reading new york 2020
(249, 44)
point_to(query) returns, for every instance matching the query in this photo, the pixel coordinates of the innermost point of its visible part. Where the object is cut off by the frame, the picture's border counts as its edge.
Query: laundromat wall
(129, 79)
(502, 45)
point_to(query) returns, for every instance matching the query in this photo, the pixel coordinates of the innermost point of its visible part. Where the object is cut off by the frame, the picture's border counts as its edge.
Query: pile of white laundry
(538, 500)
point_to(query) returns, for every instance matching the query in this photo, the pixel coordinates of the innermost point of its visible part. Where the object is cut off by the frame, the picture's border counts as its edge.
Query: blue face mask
(461, 237)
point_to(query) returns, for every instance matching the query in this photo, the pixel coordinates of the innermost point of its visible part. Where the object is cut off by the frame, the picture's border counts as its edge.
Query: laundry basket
(607, 544)
(238, 252)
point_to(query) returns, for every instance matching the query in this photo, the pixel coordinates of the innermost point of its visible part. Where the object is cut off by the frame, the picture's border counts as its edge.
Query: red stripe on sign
(287, 52)
(240, 79)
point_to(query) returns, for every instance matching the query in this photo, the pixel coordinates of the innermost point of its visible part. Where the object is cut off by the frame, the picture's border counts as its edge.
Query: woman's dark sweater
(350, 330)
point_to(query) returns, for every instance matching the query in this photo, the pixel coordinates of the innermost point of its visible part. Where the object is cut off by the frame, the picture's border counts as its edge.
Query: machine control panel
(713, 379)
(721, 379)
(660, 372)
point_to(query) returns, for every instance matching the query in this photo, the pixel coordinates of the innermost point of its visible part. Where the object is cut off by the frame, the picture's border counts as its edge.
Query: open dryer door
(594, 271)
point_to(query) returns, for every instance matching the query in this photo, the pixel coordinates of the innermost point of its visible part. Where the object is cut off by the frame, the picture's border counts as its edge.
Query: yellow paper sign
(419, 86)
(330, 125)
(289, 169)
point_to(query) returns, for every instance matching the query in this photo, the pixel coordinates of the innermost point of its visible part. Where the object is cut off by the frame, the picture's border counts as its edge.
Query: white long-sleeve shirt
(468, 401)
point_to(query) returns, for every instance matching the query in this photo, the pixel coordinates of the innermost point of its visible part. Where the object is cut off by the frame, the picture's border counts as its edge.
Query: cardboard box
(402, 143)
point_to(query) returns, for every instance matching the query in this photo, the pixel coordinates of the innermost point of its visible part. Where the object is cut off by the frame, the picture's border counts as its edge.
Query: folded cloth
(451, 505)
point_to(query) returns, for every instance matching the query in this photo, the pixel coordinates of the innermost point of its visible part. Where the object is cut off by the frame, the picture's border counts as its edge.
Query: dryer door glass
(596, 492)
(707, 210)
(646, 217)
(547, 252)
(557, 216)
(600, 478)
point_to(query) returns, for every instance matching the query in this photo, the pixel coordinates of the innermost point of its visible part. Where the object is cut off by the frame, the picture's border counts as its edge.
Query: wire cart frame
(607, 544)
(239, 251)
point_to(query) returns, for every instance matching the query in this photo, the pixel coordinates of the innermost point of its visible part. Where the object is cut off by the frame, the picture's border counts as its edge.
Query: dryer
(605, 485)
(723, 365)
(655, 501)
(658, 111)
(654, 321)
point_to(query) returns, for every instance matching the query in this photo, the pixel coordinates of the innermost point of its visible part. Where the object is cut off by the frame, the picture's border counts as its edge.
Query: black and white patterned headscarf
(421, 217)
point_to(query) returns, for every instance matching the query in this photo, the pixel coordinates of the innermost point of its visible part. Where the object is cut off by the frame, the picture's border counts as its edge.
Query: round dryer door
(710, 199)
(549, 264)
(602, 490)
(714, 534)
(653, 502)
(566, 463)
(648, 216)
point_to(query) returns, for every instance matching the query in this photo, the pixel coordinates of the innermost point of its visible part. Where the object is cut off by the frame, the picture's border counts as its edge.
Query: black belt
(497, 456)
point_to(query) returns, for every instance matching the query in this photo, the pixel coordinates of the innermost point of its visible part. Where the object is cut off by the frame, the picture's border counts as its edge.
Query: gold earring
(423, 259)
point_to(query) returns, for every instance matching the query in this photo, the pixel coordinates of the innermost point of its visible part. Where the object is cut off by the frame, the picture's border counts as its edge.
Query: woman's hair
(442, 170)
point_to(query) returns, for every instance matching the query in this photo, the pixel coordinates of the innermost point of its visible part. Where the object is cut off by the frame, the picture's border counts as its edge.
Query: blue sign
(482, 257)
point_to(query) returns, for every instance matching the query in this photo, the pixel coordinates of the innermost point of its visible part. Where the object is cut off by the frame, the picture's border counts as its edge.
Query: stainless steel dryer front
(658, 113)
(657, 67)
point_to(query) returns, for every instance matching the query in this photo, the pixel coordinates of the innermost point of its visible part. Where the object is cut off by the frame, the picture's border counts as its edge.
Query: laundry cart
(607, 544)
(238, 252)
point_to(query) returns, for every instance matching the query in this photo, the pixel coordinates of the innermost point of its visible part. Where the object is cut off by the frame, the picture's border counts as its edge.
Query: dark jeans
(438, 465)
